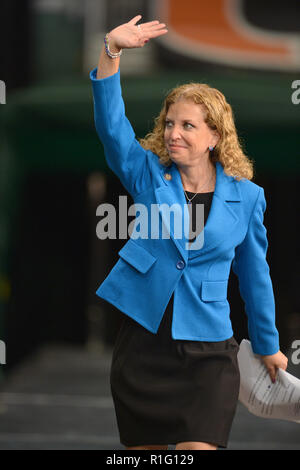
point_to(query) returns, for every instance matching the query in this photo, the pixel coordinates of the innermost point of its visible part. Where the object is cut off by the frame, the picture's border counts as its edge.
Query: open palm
(129, 35)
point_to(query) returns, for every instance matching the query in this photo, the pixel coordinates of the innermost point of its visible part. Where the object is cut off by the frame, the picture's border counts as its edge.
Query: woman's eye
(186, 124)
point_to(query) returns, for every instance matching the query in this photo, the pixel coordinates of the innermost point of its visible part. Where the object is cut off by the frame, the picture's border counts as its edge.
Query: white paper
(259, 395)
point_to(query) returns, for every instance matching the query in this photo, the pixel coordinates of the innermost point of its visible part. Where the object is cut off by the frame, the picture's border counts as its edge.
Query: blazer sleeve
(124, 155)
(255, 283)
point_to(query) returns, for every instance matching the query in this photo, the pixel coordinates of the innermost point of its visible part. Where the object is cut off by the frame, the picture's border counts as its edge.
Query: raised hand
(130, 35)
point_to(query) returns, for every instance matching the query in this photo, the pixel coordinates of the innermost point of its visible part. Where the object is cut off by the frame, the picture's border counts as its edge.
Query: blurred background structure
(53, 174)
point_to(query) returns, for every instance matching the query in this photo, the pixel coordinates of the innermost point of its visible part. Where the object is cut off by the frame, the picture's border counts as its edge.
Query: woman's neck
(198, 179)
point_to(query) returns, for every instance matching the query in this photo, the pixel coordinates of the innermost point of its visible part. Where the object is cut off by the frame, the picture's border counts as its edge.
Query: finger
(147, 29)
(272, 373)
(150, 23)
(157, 33)
(135, 19)
(154, 27)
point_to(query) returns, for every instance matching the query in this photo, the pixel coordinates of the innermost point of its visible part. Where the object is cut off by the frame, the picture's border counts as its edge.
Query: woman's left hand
(274, 362)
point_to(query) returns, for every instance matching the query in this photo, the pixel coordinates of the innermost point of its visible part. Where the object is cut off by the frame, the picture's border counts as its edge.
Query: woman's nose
(174, 133)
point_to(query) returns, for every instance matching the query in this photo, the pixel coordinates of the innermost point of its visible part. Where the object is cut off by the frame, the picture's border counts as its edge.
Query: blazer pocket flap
(214, 290)
(137, 256)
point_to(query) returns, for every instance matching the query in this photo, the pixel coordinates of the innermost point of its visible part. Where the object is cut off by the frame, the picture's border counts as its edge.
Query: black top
(200, 198)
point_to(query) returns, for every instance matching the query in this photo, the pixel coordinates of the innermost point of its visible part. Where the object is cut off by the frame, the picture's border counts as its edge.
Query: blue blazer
(149, 269)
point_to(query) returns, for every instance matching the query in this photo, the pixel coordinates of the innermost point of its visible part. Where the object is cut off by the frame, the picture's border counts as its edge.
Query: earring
(211, 148)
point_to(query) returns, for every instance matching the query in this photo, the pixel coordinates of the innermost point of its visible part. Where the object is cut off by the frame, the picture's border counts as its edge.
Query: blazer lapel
(221, 221)
(172, 194)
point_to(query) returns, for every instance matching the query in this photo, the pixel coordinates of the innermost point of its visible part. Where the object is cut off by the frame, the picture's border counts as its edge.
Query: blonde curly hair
(218, 117)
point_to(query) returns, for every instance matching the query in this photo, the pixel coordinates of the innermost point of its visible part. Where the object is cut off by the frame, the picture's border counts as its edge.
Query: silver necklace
(190, 200)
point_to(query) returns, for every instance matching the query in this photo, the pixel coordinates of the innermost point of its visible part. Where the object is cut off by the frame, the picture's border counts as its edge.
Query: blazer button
(180, 264)
(168, 176)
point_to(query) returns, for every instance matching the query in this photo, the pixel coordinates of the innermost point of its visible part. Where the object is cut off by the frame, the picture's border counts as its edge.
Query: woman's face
(187, 137)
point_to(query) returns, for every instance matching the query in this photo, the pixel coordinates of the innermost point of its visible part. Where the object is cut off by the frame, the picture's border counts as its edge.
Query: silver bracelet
(112, 55)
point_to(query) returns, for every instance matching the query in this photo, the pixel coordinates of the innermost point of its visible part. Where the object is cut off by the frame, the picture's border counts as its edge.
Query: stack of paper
(261, 397)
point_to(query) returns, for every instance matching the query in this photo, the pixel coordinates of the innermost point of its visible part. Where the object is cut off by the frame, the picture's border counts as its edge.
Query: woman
(174, 373)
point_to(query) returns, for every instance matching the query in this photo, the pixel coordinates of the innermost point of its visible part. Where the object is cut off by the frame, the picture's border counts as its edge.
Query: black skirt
(167, 391)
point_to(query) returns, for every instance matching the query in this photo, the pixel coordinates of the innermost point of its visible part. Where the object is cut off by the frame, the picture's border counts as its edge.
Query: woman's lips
(176, 146)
